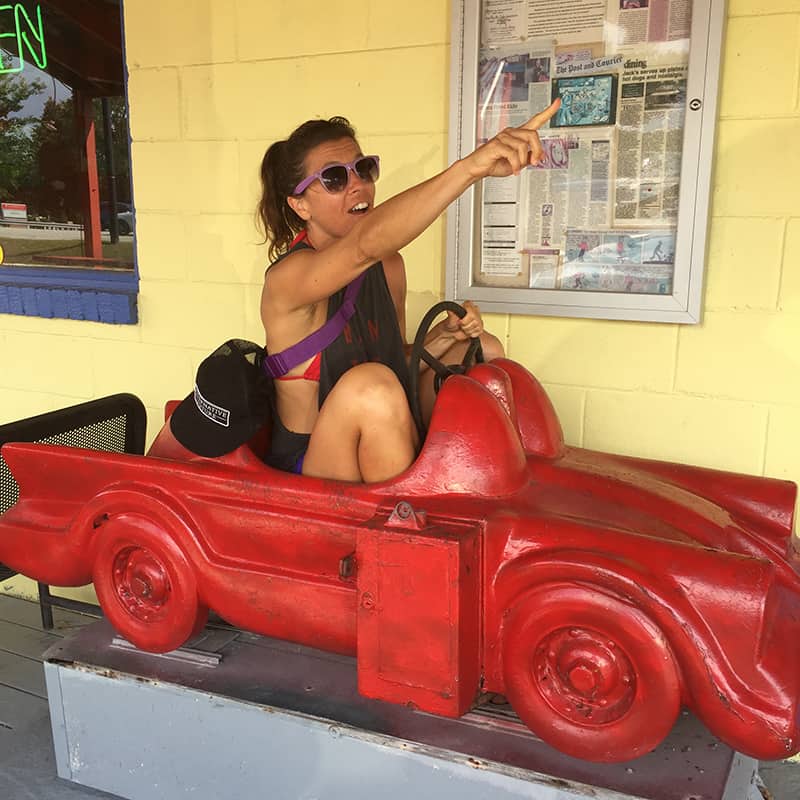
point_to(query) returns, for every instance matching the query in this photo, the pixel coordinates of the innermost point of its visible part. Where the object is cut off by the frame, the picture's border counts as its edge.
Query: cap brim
(206, 438)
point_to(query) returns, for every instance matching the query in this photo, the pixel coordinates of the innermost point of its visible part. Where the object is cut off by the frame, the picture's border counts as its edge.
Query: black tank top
(371, 334)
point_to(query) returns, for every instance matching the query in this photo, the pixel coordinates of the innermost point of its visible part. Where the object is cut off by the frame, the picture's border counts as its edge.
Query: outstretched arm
(310, 276)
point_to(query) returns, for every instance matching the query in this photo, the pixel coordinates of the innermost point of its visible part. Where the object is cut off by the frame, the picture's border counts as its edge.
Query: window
(67, 233)
(612, 224)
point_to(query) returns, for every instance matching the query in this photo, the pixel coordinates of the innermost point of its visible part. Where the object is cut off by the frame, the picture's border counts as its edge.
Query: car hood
(741, 514)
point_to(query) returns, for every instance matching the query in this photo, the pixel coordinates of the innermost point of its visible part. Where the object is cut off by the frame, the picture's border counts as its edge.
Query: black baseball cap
(229, 404)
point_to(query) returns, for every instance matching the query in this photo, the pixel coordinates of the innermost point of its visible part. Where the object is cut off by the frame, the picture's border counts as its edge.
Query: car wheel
(123, 227)
(145, 584)
(590, 674)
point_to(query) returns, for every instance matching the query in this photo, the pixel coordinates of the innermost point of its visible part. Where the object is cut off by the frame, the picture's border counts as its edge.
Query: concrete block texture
(43, 363)
(758, 52)
(619, 355)
(740, 249)
(783, 434)
(158, 119)
(708, 432)
(280, 30)
(570, 405)
(267, 99)
(754, 8)
(224, 249)
(177, 32)
(192, 176)
(162, 246)
(83, 329)
(16, 404)
(161, 372)
(757, 169)
(191, 315)
(790, 276)
(750, 356)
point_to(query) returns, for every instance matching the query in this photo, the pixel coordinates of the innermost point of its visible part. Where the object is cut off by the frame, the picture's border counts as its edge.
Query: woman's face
(330, 216)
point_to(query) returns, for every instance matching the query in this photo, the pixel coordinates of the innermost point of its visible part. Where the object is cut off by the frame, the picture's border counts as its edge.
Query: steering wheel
(473, 355)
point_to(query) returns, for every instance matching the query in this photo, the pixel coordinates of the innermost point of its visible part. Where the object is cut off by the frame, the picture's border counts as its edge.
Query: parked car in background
(125, 223)
(124, 216)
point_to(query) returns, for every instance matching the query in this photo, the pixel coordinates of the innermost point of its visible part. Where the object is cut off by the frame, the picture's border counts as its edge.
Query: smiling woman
(66, 219)
(333, 303)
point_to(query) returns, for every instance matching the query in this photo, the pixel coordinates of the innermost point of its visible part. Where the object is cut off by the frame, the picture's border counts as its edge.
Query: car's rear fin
(54, 472)
(768, 504)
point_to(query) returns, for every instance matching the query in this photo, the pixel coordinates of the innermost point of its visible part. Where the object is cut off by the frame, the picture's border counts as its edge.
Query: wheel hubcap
(141, 582)
(584, 676)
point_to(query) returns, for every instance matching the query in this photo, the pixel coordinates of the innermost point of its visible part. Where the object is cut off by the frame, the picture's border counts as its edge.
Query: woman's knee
(373, 389)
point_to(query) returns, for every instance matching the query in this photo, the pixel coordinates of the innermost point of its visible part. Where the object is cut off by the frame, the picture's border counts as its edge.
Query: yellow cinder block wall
(210, 85)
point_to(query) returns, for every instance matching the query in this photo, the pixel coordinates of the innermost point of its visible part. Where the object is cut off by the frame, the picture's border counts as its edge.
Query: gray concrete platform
(240, 711)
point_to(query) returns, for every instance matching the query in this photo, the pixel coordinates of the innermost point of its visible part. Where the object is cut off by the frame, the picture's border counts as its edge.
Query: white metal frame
(685, 302)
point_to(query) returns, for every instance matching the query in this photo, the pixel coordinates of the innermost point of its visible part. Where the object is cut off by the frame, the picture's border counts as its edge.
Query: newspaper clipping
(599, 212)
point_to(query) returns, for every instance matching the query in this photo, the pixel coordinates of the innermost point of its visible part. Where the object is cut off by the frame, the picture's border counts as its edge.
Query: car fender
(731, 707)
(150, 503)
(531, 571)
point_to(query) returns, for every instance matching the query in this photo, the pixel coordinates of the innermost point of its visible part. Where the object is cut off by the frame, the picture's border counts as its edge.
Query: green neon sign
(28, 36)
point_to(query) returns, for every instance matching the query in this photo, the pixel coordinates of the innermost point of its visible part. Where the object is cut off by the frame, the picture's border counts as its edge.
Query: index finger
(537, 120)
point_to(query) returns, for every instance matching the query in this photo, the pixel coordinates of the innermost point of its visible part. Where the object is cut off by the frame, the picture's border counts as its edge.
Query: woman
(340, 408)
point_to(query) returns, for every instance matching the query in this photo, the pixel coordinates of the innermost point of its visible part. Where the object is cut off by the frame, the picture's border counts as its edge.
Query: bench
(115, 424)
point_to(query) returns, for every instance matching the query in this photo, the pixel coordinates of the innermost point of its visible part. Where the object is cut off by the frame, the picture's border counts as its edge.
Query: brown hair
(282, 168)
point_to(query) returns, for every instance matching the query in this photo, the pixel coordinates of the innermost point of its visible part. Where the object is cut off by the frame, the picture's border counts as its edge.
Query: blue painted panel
(93, 294)
(108, 280)
(123, 307)
(89, 305)
(58, 298)
(74, 304)
(15, 300)
(44, 303)
(29, 306)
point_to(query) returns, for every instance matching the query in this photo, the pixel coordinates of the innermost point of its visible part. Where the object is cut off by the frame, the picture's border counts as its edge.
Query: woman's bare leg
(492, 348)
(364, 431)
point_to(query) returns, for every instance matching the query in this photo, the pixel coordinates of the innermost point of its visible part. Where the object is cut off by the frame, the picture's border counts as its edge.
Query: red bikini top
(311, 372)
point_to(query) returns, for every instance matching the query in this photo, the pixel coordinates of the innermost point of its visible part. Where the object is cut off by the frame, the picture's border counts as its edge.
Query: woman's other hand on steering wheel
(470, 326)
(512, 149)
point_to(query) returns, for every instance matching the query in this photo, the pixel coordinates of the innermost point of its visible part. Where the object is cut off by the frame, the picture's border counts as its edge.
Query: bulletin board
(613, 222)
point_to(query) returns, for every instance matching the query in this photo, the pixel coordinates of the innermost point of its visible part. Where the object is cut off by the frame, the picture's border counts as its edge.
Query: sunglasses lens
(367, 169)
(334, 179)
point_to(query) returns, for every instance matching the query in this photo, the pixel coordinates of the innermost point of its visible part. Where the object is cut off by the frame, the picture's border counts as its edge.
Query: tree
(118, 110)
(55, 191)
(17, 154)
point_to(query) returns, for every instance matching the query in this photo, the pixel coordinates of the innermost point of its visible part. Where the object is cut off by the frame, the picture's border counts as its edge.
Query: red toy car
(598, 593)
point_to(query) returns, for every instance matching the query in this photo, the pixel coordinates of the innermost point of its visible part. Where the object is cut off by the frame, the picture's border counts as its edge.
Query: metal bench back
(116, 424)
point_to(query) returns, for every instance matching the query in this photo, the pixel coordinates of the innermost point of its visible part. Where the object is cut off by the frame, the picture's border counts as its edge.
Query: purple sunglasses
(334, 177)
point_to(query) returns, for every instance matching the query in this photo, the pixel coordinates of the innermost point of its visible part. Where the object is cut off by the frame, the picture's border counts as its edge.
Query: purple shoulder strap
(280, 363)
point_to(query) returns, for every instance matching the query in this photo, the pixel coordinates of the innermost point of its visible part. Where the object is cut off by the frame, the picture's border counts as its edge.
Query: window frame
(87, 293)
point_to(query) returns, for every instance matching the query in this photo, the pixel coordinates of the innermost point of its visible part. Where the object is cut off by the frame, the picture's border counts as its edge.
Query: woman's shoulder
(284, 257)
(394, 269)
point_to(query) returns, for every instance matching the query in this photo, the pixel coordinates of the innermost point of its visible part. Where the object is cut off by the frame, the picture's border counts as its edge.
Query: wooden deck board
(27, 762)
(27, 614)
(22, 674)
(21, 640)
